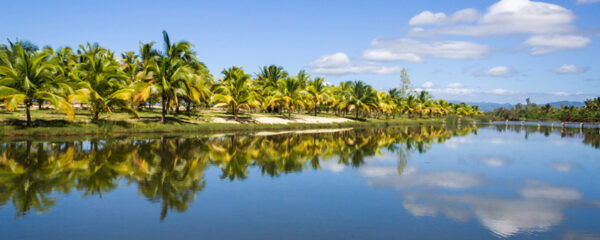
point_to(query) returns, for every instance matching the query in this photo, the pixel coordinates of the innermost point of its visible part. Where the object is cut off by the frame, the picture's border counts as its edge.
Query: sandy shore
(285, 120)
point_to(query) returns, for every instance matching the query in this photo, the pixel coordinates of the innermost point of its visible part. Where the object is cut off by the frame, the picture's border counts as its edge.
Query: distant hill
(486, 106)
(566, 103)
(490, 106)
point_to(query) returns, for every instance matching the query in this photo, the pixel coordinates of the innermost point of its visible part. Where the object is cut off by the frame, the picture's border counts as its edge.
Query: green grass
(53, 123)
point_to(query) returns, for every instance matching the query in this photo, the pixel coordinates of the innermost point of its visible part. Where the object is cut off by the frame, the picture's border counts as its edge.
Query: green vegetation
(92, 79)
(531, 111)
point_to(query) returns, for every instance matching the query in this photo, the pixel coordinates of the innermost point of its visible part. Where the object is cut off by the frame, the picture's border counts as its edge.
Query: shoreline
(117, 128)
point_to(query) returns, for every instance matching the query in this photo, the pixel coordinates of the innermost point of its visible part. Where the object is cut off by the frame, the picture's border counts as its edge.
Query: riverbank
(56, 124)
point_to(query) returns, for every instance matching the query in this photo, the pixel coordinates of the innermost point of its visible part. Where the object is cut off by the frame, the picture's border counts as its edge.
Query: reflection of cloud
(492, 161)
(503, 216)
(564, 166)
(540, 190)
(506, 217)
(411, 177)
(332, 166)
(456, 142)
(579, 236)
(538, 206)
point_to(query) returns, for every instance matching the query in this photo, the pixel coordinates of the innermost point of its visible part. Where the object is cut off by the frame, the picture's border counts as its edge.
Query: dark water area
(418, 182)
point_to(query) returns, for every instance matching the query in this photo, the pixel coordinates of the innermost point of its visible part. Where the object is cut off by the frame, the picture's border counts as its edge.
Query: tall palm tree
(27, 75)
(318, 93)
(290, 93)
(270, 75)
(101, 83)
(234, 91)
(361, 96)
(168, 74)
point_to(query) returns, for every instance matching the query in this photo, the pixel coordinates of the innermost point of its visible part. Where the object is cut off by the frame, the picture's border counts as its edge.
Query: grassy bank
(52, 123)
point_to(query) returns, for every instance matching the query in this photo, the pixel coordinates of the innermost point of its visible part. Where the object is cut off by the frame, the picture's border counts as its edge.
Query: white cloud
(569, 68)
(429, 18)
(428, 84)
(515, 17)
(497, 71)
(340, 64)
(542, 44)
(465, 15)
(455, 85)
(411, 50)
(587, 1)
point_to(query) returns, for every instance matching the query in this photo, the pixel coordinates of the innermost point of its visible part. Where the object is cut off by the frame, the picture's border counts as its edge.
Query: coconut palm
(361, 96)
(100, 82)
(289, 92)
(270, 75)
(27, 74)
(318, 93)
(168, 74)
(234, 91)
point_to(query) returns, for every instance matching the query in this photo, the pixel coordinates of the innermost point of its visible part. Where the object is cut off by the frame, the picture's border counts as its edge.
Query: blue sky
(500, 51)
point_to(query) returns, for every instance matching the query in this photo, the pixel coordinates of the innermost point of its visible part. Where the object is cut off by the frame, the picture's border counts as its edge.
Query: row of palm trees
(93, 76)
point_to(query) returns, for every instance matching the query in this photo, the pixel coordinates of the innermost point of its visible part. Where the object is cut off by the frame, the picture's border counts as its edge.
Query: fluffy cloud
(508, 17)
(497, 71)
(429, 18)
(428, 84)
(411, 50)
(549, 26)
(569, 68)
(546, 44)
(587, 1)
(455, 91)
(340, 64)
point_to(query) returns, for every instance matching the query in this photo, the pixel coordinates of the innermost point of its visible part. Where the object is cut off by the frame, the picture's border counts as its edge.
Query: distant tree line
(531, 111)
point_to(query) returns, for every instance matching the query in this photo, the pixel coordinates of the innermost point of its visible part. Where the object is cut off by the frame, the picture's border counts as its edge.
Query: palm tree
(318, 93)
(26, 74)
(101, 83)
(361, 96)
(270, 75)
(290, 93)
(168, 74)
(234, 91)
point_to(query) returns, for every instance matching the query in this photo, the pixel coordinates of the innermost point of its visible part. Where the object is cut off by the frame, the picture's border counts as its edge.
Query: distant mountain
(486, 106)
(490, 106)
(566, 103)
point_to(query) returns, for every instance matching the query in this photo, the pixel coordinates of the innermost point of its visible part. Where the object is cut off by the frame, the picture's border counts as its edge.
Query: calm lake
(419, 182)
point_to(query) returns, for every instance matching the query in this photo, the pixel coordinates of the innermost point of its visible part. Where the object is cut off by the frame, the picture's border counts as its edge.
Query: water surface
(420, 182)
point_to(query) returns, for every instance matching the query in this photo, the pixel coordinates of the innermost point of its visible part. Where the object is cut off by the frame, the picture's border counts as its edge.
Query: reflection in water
(170, 171)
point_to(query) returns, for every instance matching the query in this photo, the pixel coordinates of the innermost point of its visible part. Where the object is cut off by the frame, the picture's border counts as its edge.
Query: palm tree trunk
(356, 113)
(164, 109)
(316, 109)
(95, 117)
(235, 114)
(27, 104)
(40, 103)
(188, 107)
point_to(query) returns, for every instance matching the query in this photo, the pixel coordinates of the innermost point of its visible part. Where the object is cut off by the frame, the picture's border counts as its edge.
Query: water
(421, 182)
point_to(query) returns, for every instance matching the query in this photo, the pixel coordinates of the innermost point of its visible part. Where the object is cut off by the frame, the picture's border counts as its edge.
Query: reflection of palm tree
(170, 170)
(178, 175)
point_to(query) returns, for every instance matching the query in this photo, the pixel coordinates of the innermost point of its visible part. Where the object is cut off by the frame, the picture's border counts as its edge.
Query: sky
(472, 50)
